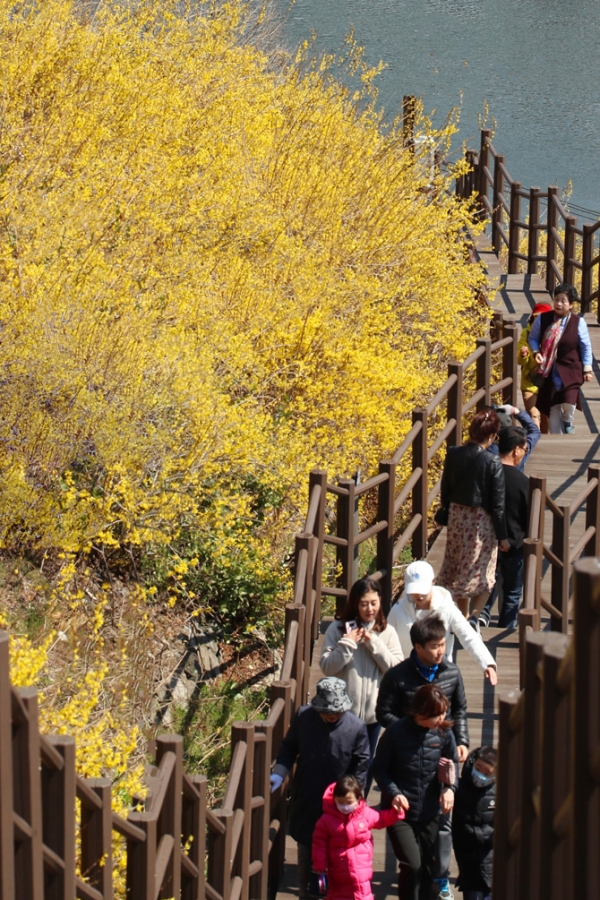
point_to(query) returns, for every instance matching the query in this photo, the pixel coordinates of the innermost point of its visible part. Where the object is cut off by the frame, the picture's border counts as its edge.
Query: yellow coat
(527, 363)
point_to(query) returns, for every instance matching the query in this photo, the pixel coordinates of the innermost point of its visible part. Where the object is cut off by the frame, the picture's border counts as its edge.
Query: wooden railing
(177, 847)
(557, 553)
(547, 827)
(571, 251)
(403, 505)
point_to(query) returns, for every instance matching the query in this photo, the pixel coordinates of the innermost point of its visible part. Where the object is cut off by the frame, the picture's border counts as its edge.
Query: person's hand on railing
(276, 782)
(492, 675)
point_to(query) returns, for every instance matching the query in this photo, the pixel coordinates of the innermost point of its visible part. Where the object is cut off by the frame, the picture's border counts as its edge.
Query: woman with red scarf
(561, 345)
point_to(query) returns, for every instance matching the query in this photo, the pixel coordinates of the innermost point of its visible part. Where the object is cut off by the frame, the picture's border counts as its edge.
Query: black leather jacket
(473, 477)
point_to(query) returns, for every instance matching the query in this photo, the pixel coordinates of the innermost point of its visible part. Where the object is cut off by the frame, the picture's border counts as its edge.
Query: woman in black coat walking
(406, 769)
(473, 824)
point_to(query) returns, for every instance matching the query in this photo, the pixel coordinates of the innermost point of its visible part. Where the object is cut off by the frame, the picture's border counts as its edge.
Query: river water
(536, 63)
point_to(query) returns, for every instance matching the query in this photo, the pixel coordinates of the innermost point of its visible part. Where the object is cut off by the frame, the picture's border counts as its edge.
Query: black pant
(414, 845)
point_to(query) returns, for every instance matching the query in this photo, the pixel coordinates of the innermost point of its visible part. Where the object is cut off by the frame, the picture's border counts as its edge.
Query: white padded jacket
(404, 614)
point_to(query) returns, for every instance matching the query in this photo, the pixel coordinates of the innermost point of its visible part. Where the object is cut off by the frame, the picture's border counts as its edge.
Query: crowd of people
(392, 706)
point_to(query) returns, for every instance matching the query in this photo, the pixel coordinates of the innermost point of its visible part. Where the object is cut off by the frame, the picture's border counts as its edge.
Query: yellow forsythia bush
(217, 270)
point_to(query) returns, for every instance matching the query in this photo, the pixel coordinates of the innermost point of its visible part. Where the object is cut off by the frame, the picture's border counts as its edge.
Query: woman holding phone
(360, 647)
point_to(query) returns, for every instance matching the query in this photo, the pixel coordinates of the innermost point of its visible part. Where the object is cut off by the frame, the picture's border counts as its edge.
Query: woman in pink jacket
(342, 841)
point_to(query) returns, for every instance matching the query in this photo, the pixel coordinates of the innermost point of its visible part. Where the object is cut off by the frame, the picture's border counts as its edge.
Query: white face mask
(346, 809)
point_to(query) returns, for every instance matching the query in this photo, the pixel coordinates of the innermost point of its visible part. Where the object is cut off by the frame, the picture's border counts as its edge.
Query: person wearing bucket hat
(325, 740)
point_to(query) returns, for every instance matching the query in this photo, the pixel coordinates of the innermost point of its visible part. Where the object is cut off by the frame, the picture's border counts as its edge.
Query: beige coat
(362, 665)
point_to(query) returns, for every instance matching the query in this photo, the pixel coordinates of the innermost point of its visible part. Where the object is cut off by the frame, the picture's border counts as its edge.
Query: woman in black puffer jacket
(473, 824)
(406, 770)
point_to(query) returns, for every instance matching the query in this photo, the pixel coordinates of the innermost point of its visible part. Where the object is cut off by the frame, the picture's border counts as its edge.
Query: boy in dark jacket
(473, 824)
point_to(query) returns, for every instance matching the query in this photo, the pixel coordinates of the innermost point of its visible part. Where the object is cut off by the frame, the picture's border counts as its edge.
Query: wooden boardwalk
(564, 460)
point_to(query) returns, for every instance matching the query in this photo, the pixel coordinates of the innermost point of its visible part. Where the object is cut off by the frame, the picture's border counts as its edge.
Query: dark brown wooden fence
(407, 485)
(177, 846)
(547, 831)
(557, 553)
(533, 226)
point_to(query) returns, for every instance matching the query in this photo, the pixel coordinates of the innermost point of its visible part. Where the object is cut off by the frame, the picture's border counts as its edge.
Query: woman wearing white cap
(421, 597)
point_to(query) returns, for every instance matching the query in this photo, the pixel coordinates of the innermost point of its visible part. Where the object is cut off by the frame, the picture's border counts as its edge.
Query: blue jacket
(323, 752)
(533, 436)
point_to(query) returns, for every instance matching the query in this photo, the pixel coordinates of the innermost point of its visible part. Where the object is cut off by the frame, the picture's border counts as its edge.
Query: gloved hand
(276, 782)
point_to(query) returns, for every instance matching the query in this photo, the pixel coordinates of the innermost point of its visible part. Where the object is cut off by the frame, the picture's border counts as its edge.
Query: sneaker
(484, 620)
(443, 889)
(569, 428)
(473, 622)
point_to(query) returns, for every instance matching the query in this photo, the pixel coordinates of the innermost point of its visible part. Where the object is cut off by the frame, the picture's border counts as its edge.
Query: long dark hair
(357, 592)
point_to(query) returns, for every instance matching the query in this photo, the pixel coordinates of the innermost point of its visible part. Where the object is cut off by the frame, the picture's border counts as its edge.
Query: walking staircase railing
(533, 227)
(547, 825)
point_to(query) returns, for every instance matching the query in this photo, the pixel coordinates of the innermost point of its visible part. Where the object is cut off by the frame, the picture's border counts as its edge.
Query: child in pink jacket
(342, 841)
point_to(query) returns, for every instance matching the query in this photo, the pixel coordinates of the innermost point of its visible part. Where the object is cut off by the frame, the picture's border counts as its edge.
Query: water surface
(535, 62)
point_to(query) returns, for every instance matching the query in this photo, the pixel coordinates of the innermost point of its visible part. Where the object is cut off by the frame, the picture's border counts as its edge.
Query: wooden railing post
(244, 731)
(497, 242)
(510, 367)
(96, 839)
(304, 544)
(555, 770)
(385, 539)
(31, 804)
(587, 256)
(592, 514)
(561, 527)
(58, 791)
(534, 221)
(347, 556)
(259, 838)
(584, 731)
(505, 875)
(530, 766)
(409, 109)
(169, 819)
(570, 244)
(220, 858)
(420, 492)
(318, 477)
(297, 614)
(484, 371)
(455, 404)
(514, 233)
(551, 244)
(484, 163)
(7, 869)
(194, 828)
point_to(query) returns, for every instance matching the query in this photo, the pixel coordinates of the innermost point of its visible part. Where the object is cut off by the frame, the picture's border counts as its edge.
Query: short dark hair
(357, 592)
(567, 289)
(510, 437)
(488, 755)
(430, 701)
(348, 784)
(429, 628)
(484, 424)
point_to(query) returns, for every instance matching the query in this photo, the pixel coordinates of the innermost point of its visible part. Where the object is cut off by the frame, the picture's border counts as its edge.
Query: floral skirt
(469, 566)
